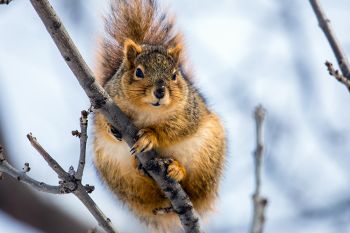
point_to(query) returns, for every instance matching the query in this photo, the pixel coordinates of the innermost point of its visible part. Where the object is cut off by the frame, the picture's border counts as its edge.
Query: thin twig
(326, 27)
(50, 161)
(336, 74)
(259, 202)
(102, 102)
(83, 138)
(5, 167)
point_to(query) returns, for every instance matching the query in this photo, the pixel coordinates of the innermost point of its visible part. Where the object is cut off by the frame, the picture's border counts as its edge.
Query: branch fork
(69, 182)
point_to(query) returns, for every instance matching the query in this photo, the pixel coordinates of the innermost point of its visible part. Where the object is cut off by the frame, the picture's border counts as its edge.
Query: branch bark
(259, 202)
(102, 102)
(83, 138)
(337, 75)
(338, 51)
(24, 178)
(5, 1)
(69, 183)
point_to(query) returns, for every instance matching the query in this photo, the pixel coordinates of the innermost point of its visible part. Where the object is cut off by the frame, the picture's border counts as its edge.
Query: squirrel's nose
(159, 92)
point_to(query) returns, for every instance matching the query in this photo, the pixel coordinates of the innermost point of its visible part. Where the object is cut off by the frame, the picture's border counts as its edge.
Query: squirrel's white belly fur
(184, 151)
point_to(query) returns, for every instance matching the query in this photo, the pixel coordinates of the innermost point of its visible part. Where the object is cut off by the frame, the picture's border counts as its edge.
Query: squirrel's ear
(131, 50)
(175, 52)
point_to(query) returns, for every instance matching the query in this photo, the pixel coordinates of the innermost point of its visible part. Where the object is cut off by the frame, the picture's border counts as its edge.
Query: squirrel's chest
(185, 151)
(118, 151)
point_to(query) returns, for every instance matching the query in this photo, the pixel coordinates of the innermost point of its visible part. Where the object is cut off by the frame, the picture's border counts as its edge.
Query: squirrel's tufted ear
(175, 52)
(131, 50)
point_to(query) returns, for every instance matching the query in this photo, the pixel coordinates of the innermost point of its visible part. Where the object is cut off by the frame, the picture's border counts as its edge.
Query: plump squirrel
(142, 67)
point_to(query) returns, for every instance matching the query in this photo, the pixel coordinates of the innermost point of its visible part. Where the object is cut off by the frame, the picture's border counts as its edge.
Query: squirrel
(141, 65)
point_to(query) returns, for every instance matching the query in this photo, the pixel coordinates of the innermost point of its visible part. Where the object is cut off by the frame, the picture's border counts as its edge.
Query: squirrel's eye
(174, 77)
(139, 73)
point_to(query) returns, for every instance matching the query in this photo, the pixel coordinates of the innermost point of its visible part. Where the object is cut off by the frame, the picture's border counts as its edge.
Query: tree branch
(102, 102)
(83, 138)
(259, 202)
(16, 197)
(24, 178)
(326, 27)
(50, 161)
(68, 180)
(5, 1)
(336, 74)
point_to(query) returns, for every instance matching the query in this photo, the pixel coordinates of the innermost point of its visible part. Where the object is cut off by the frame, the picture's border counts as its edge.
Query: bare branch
(83, 138)
(259, 202)
(5, 1)
(70, 184)
(326, 27)
(336, 74)
(67, 184)
(50, 161)
(102, 220)
(24, 178)
(102, 102)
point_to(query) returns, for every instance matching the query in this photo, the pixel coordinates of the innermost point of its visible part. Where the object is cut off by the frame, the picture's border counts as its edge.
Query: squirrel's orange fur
(141, 67)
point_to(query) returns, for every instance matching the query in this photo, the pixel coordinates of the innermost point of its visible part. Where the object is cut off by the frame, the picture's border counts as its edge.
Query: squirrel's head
(152, 78)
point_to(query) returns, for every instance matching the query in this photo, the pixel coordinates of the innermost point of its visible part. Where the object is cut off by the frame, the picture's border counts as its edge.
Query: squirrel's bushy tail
(139, 20)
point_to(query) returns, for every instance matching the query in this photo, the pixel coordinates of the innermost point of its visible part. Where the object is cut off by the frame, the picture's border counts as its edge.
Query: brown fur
(178, 126)
(139, 20)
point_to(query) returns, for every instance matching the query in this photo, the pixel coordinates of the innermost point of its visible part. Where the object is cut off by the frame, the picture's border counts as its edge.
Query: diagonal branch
(102, 102)
(327, 29)
(258, 201)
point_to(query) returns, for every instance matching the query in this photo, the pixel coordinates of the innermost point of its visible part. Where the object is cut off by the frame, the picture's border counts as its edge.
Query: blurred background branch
(259, 202)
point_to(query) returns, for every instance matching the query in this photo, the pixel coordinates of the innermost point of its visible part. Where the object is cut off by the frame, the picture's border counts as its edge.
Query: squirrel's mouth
(157, 104)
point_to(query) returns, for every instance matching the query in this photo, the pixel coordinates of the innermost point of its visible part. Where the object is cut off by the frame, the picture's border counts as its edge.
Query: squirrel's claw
(145, 142)
(176, 171)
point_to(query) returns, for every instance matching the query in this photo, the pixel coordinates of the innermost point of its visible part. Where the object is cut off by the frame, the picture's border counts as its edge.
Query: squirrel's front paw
(146, 140)
(176, 171)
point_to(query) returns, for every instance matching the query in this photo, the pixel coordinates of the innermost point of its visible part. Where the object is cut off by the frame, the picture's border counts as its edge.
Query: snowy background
(243, 53)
